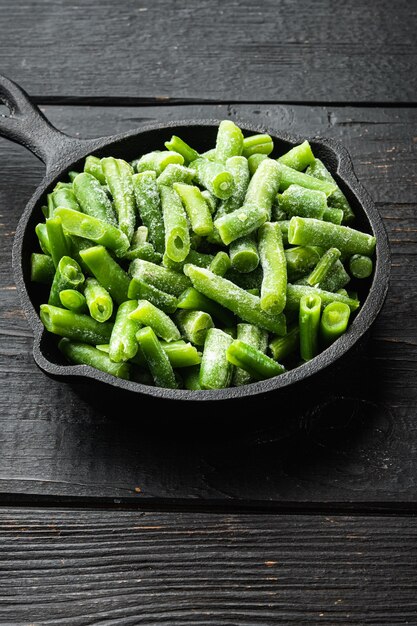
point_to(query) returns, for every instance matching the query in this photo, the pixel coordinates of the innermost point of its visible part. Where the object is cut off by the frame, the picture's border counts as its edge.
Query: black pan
(27, 126)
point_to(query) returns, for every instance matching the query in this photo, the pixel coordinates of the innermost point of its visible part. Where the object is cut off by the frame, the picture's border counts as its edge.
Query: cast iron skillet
(27, 126)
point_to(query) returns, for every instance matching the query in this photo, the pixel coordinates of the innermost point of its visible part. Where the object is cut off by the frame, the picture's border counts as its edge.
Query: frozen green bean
(175, 173)
(118, 174)
(312, 232)
(149, 315)
(337, 199)
(229, 141)
(296, 292)
(156, 358)
(42, 268)
(193, 300)
(274, 266)
(177, 236)
(141, 290)
(215, 369)
(84, 354)
(68, 275)
(93, 166)
(297, 200)
(283, 347)
(176, 144)
(255, 337)
(107, 271)
(220, 264)
(196, 208)
(99, 301)
(298, 157)
(158, 161)
(257, 144)
(244, 256)
(123, 344)
(360, 266)
(73, 300)
(323, 267)
(289, 176)
(148, 203)
(257, 364)
(163, 278)
(334, 322)
(181, 354)
(92, 198)
(76, 326)
(309, 323)
(58, 242)
(214, 177)
(194, 325)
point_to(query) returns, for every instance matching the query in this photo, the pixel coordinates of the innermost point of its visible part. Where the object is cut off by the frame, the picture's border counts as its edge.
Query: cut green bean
(196, 208)
(244, 255)
(309, 322)
(156, 358)
(144, 251)
(158, 161)
(84, 354)
(149, 315)
(257, 364)
(289, 176)
(336, 278)
(333, 215)
(360, 266)
(95, 229)
(107, 271)
(64, 197)
(123, 344)
(42, 234)
(193, 300)
(257, 144)
(255, 337)
(296, 292)
(141, 290)
(255, 160)
(197, 258)
(232, 297)
(274, 266)
(140, 236)
(99, 301)
(181, 354)
(312, 232)
(93, 166)
(175, 173)
(298, 157)
(210, 200)
(92, 198)
(194, 325)
(73, 300)
(161, 277)
(177, 236)
(301, 260)
(283, 347)
(68, 275)
(58, 242)
(214, 177)
(229, 141)
(337, 199)
(334, 322)
(76, 326)
(42, 268)
(176, 144)
(148, 203)
(220, 264)
(296, 200)
(215, 369)
(118, 174)
(323, 267)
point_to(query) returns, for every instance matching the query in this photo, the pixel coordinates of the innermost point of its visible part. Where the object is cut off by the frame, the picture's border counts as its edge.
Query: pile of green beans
(200, 269)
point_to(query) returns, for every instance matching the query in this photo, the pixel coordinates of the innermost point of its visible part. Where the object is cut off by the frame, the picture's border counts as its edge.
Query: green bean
(274, 266)
(296, 292)
(238, 167)
(92, 228)
(194, 325)
(257, 364)
(334, 322)
(215, 370)
(220, 264)
(148, 203)
(232, 297)
(65, 198)
(140, 236)
(176, 144)
(193, 300)
(118, 174)
(312, 232)
(42, 268)
(196, 208)
(337, 199)
(73, 300)
(360, 266)
(42, 234)
(144, 251)
(157, 360)
(277, 213)
(92, 198)
(181, 354)
(68, 275)
(214, 177)
(158, 161)
(210, 155)
(57, 240)
(210, 200)
(141, 290)
(93, 166)
(161, 277)
(254, 161)
(323, 267)
(76, 326)
(264, 185)
(191, 378)
(244, 255)
(50, 205)
(149, 315)
(99, 301)
(309, 321)
(289, 176)
(123, 344)
(255, 337)
(298, 157)
(333, 215)
(84, 354)
(296, 200)
(229, 141)
(257, 144)
(175, 173)
(72, 175)
(336, 278)
(177, 237)
(301, 260)
(107, 271)
(282, 347)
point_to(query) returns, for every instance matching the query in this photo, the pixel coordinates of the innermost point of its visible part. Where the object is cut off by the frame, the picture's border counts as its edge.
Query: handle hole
(5, 109)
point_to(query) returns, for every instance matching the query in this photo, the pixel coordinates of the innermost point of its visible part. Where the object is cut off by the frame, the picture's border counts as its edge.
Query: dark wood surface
(159, 532)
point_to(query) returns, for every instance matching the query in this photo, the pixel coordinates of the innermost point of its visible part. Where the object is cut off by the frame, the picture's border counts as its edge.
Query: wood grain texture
(241, 50)
(120, 568)
(354, 442)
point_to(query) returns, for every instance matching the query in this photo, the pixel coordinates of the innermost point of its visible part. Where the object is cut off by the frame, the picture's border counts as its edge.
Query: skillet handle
(27, 126)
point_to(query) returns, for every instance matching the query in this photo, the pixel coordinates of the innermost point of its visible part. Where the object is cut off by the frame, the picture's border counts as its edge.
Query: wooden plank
(81, 567)
(241, 50)
(352, 443)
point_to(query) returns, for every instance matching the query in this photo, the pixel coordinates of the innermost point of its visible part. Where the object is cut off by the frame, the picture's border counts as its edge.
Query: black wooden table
(305, 516)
